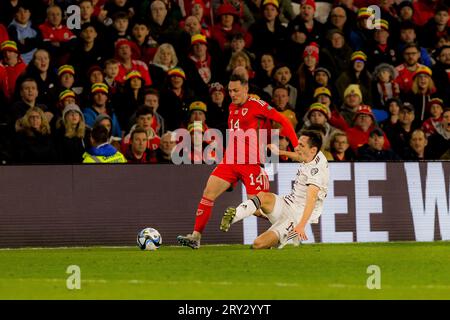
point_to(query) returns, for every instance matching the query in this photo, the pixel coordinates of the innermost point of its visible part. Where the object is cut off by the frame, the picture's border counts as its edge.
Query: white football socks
(246, 209)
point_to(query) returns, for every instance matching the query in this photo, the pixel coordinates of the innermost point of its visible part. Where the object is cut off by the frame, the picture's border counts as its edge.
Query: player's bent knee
(266, 199)
(262, 196)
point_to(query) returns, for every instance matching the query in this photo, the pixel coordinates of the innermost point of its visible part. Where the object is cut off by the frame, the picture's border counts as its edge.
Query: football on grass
(149, 239)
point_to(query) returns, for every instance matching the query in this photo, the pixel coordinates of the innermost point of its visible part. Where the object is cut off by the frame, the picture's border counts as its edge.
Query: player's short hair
(100, 134)
(239, 76)
(315, 138)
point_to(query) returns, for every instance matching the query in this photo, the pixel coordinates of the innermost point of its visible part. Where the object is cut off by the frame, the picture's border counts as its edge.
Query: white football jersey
(315, 172)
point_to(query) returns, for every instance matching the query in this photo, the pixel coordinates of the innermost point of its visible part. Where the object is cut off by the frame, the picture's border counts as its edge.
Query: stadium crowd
(378, 89)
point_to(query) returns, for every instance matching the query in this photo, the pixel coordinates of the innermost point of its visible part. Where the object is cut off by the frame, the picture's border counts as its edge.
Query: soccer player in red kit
(244, 114)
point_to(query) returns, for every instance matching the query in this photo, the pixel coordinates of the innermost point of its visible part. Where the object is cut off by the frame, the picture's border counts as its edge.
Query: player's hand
(274, 148)
(300, 230)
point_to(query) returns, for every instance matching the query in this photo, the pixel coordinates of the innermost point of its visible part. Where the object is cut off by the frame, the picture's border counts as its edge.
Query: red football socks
(203, 213)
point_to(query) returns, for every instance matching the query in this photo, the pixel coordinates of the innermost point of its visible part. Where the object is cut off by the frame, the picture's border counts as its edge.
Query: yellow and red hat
(196, 126)
(313, 50)
(99, 87)
(133, 74)
(198, 106)
(198, 38)
(272, 2)
(66, 69)
(322, 90)
(382, 24)
(9, 45)
(437, 101)
(226, 8)
(364, 109)
(66, 94)
(317, 106)
(353, 89)
(423, 70)
(364, 13)
(359, 55)
(176, 72)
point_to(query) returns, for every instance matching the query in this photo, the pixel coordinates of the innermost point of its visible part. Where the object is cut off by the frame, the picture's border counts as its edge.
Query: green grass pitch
(312, 271)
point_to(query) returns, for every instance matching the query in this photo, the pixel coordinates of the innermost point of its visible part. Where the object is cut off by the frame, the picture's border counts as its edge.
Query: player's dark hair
(239, 77)
(315, 138)
(100, 134)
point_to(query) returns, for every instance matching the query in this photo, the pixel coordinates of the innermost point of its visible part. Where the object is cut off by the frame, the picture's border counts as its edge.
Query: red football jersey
(245, 136)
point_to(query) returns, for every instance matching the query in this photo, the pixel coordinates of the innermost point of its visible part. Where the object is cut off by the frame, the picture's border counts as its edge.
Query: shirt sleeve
(265, 110)
(274, 115)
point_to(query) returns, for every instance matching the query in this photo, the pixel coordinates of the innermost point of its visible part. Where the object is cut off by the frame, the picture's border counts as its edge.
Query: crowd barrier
(86, 205)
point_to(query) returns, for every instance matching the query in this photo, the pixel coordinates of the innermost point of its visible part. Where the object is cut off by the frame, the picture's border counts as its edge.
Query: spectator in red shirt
(436, 108)
(13, 65)
(364, 123)
(140, 33)
(56, 35)
(202, 22)
(137, 150)
(127, 64)
(227, 26)
(144, 119)
(424, 11)
(406, 71)
(436, 28)
(151, 99)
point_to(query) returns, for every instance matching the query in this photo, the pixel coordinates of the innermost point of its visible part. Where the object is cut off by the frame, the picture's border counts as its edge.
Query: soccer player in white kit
(291, 213)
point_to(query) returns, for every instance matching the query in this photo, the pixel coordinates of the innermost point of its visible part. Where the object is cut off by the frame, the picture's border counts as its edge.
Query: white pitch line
(223, 283)
(106, 247)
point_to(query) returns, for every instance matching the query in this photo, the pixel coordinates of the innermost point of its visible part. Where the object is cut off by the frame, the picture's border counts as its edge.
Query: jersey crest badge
(244, 111)
(314, 171)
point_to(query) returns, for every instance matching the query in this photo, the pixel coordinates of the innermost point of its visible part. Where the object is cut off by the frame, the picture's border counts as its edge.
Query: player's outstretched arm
(311, 197)
(291, 155)
(290, 132)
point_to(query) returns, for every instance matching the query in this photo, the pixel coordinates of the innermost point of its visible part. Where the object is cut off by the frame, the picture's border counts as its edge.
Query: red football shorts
(252, 176)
